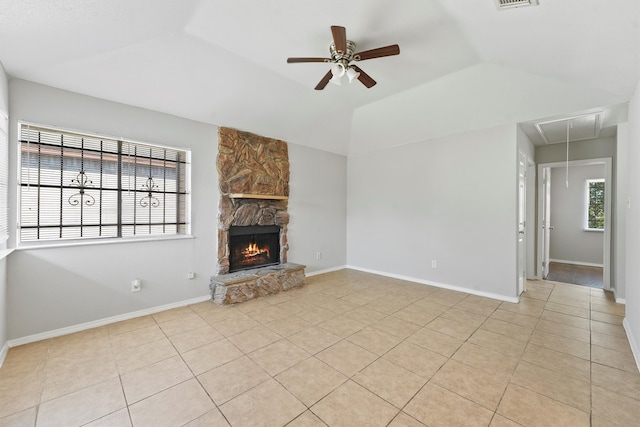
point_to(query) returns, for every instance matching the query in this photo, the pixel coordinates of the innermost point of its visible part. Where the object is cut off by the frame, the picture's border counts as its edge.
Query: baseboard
(586, 264)
(328, 270)
(106, 321)
(102, 322)
(615, 296)
(3, 352)
(439, 285)
(634, 345)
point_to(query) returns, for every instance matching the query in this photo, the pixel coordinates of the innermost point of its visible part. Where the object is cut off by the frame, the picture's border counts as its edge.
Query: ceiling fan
(343, 53)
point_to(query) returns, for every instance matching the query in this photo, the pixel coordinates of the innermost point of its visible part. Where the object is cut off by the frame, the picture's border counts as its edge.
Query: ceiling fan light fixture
(336, 80)
(352, 74)
(338, 70)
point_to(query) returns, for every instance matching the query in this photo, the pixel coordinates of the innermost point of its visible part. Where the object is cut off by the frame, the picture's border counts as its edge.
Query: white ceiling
(463, 65)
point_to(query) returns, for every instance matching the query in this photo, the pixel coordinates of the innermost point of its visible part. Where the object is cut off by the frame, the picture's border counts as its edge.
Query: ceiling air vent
(508, 4)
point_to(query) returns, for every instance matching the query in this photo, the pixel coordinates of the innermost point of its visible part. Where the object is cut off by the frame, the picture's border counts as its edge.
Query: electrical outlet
(434, 263)
(136, 285)
(191, 275)
(318, 255)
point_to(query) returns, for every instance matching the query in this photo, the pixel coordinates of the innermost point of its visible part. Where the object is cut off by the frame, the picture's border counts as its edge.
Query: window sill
(597, 230)
(5, 253)
(95, 242)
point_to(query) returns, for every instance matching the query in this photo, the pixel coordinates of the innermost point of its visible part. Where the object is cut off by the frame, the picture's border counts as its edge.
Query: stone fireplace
(253, 219)
(238, 210)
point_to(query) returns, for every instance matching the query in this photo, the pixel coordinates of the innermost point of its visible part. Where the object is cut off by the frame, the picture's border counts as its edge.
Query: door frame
(521, 239)
(608, 196)
(546, 227)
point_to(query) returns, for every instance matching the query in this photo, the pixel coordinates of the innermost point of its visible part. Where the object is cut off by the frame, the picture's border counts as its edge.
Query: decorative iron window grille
(76, 186)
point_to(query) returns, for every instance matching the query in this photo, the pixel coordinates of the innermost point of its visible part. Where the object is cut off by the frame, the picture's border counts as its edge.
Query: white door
(546, 220)
(522, 209)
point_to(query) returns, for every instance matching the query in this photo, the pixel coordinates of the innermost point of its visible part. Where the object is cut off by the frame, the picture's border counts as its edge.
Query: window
(4, 178)
(595, 204)
(75, 186)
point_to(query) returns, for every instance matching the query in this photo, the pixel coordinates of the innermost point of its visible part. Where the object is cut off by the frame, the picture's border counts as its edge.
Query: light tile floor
(348, 349)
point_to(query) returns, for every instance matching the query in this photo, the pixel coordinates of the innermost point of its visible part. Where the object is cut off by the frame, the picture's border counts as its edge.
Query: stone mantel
(257, 196)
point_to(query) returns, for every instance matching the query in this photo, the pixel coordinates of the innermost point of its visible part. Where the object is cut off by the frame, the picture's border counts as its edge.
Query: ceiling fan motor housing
(338, 56)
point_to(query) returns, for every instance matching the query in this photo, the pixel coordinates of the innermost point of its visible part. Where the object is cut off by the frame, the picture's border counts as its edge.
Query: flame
(253, 250)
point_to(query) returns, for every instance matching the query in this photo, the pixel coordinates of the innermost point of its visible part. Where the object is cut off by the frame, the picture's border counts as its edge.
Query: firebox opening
(253, 246)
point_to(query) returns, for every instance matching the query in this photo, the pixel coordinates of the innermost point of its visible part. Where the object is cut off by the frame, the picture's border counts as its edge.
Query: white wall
(458, 100)
(4, 109)
(53, 288)
(569, 241)
(449, 199)
(318, 208)
(579, 150)
(632, 296)
(621, 184)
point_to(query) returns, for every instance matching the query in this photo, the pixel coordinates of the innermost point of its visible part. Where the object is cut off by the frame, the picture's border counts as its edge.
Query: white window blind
(4, 177)
(76, 186)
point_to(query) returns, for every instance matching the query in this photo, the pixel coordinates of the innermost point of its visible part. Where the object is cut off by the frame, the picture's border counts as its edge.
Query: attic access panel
(586, 126)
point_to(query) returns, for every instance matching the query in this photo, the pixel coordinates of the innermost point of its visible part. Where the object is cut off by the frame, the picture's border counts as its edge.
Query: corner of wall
(635, 350)
(3, 352)
(4, 109)
(632, 244)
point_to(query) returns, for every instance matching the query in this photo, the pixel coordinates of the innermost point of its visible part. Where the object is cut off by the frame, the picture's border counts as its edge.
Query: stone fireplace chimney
(253, 175)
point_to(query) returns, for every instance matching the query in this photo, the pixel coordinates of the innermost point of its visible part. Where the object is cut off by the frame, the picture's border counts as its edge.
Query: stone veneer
(245, 212)
(248, 284)
(258, 166)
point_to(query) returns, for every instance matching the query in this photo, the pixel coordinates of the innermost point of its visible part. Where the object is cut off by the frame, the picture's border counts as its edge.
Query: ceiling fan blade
(380, 52)
(339, 38)
(321, 85)
(364, 78)
(294, 60)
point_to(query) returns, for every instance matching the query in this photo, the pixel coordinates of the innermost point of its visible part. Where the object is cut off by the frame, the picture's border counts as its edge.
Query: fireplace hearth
(253, 246)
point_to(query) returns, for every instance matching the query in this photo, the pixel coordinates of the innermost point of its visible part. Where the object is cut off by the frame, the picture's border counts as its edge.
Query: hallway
(575, 274)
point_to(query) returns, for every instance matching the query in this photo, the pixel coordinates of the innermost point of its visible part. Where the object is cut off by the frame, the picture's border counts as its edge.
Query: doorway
(572, 256)
(584, 275)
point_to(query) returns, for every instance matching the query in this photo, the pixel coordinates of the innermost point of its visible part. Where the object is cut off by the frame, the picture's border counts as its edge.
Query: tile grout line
(196, 376)
(386, 315)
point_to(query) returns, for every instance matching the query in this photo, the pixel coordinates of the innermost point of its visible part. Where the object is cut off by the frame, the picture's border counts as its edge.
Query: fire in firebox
(252, 251)
(253, 246)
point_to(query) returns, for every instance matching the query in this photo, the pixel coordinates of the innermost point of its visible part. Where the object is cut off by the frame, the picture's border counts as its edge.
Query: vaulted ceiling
(463, 64)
